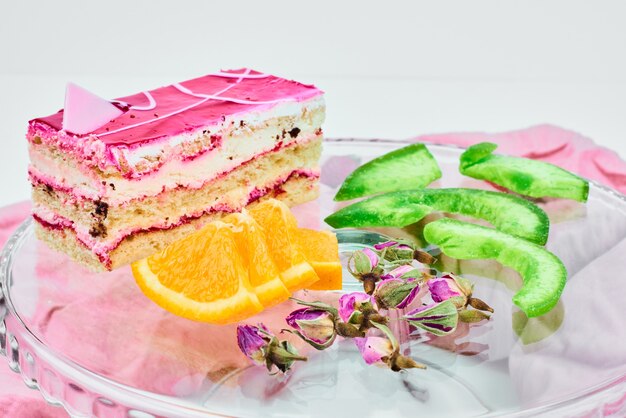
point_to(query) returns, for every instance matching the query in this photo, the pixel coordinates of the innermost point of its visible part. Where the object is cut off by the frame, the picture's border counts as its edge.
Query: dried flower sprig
(265, 349)
(358, 313)
(319, 324)
(385, 350)
(391, 280)
(313, 325)
(459, 291)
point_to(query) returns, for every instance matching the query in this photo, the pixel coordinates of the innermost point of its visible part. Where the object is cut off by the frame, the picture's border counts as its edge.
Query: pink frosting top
(185, 107)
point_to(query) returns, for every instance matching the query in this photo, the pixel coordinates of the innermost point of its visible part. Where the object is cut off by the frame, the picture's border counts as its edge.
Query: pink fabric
(16, 400)
(548, 143)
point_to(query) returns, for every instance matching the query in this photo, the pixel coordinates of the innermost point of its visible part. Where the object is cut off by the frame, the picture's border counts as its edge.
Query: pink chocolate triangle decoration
(85, 112)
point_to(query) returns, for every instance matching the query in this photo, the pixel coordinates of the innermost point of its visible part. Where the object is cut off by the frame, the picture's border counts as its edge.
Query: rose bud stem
(401, 362)
(370, 318)
(279, 354)
(423, 257)
(369, 282)
(348, 331)
(378, 318)
(479, 304)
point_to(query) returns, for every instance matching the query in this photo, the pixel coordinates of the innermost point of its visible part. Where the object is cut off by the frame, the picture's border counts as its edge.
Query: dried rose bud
(363, 262)
(374, 349)
(263, 348)
(315, 326)
(450, 287)
(364, 266)
(437, 318)
(252, 342)
(384, 351)
(396, 293)
(351, 306)
(459, 291)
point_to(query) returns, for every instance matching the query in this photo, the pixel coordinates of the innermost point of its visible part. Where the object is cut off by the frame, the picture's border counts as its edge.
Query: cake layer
(154, 123)
(295, 190)
(100, 225)
(188, 162)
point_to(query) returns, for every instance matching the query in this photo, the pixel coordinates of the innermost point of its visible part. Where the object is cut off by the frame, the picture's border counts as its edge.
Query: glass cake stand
(95, 345)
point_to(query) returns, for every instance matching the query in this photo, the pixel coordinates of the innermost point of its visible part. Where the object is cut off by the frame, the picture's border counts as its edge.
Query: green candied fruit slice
(544, 275)
(522, 175)
(410, 167)
(507, 213)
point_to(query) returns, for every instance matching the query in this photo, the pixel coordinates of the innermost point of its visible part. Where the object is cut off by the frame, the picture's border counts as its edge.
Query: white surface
(390, 69)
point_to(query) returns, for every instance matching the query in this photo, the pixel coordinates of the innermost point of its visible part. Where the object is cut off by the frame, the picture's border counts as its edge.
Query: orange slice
(322, 251)
(281, 233)
(263, 274)
(201, 277)
(234, 268)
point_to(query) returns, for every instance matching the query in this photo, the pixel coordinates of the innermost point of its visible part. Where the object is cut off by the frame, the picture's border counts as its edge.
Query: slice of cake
(116, 181)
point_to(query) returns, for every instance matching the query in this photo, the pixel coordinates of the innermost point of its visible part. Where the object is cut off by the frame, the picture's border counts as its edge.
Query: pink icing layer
(187, 106)
(103, 253)
(205, 105)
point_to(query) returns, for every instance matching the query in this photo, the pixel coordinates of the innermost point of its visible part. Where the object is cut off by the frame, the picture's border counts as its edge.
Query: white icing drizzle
(151, 102)
(204, 97)
(245, 74)
(216, 96)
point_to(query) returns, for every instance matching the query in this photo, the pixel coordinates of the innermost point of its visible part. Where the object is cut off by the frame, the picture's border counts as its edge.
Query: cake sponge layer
(97, 222)
(295, 190)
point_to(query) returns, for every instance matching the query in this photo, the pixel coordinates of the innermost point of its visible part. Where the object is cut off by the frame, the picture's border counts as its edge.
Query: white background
(390, 69)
